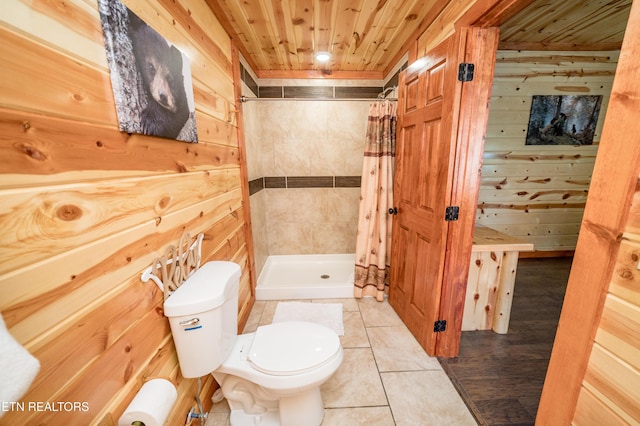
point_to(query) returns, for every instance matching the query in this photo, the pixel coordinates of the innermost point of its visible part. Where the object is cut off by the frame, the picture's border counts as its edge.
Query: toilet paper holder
(151, 405)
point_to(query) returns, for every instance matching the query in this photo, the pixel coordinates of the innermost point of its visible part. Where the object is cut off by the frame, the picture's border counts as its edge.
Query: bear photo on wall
(563, 119)
(150, 77)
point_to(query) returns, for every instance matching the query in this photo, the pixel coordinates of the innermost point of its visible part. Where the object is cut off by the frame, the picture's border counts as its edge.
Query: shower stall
(304, 163)
(305, 148)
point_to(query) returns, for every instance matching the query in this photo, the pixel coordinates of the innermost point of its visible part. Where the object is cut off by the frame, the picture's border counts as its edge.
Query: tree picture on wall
(563, 119)
(150, 77)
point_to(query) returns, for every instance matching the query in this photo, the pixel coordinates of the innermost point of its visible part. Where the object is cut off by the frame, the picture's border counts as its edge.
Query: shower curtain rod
(244, 99)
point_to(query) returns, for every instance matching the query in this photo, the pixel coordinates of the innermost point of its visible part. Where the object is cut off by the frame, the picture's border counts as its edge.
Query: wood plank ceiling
(567, 25)
(368, 37)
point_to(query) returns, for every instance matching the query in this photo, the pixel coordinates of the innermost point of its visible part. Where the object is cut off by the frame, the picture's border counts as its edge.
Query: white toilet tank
(203, 314)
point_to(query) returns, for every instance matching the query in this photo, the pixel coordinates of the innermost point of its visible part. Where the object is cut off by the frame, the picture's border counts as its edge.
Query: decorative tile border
(275, 182)
(249, 81)
(308, 92)
(284, 182)
(348, 92)
(272, 92)
(347, 181)
(310, 182)
(256, 185)
(317, 92)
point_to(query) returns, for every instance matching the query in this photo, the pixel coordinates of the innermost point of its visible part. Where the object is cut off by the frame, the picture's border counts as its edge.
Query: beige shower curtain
(373, 244)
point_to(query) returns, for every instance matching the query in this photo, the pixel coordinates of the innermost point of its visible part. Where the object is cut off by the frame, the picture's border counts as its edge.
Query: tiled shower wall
(304, 161)
(254, 171)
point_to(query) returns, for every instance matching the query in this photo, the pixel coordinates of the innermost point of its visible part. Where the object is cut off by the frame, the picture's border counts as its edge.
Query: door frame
(605, 218)
(599, 236)
(478, 25)
(477, 46)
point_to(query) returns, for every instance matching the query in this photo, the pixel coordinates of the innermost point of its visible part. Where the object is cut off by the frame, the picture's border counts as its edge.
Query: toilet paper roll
(151, 405)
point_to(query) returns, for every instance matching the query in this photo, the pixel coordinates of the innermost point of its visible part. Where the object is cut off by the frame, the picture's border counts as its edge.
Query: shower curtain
(373, 244)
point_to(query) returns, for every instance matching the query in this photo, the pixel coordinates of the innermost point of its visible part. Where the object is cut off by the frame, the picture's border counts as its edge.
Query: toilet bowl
(270, 377)
(273, 376)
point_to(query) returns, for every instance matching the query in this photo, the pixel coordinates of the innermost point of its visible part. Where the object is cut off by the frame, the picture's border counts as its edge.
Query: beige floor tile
(215, 419)
(356, 383)
(220, 407)
(268, 312)
(218, 415)
(369, 416)
(355, 335)
(425, 398)
(254, 317)
(378, 314)
(386, 378)
(395, 349)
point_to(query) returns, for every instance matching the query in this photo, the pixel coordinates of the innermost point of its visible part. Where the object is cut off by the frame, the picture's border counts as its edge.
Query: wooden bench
(492, 274)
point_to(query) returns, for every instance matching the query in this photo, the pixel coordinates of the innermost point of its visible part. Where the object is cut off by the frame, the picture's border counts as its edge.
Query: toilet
(270, 377)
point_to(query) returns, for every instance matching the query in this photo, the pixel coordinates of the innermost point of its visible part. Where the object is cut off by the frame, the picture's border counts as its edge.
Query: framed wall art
(563, 119)
(150, 77)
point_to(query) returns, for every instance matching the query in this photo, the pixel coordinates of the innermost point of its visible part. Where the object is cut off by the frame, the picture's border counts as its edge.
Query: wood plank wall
(601, 301)
(85, 208)
(537, 193)
(610, 391)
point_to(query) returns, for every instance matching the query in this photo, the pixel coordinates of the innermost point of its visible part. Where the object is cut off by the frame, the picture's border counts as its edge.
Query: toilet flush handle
(192, 321)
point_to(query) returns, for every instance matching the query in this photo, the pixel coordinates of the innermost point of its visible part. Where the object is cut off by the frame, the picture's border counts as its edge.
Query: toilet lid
(287, 348)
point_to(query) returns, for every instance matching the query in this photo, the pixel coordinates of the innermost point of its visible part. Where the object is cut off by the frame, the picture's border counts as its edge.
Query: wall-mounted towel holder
(178, 264)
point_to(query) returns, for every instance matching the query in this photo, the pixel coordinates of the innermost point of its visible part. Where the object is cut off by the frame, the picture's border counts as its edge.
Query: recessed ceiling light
(323, 56)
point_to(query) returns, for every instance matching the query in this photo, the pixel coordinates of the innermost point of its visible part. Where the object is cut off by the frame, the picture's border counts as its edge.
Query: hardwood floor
(500, 377)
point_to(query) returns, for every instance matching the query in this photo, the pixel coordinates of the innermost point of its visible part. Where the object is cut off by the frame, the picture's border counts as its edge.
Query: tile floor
(386, 378)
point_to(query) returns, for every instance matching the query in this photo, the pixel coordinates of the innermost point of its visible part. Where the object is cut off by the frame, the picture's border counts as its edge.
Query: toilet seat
(290, 348)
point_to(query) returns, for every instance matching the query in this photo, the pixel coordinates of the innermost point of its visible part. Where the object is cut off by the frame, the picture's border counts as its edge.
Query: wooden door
(440, 141)
(422, 191)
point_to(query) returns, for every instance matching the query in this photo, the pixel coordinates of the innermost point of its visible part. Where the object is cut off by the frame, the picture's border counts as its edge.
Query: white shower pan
(306, 276)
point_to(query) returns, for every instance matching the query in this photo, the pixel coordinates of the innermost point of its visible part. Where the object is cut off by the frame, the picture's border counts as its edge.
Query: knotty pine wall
(86, 208)
(537, 193)
(610, 393)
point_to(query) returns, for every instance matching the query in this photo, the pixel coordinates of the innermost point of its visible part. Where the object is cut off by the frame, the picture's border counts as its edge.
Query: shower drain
(325, 276)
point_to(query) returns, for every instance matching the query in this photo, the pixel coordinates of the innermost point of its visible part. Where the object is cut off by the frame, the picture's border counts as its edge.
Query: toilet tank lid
(209, 287)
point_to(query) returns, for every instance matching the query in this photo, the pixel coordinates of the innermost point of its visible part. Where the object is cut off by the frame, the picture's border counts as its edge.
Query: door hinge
(465, 71)
(451, 213)
(439, 326)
